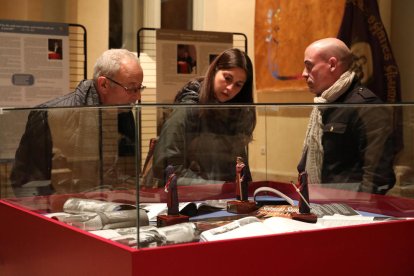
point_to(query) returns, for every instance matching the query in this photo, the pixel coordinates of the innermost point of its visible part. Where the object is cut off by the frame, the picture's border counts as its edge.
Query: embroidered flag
(362, 30)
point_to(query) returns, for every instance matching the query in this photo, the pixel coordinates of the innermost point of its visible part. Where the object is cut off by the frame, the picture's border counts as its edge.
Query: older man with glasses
(118, 77)
(63, 149)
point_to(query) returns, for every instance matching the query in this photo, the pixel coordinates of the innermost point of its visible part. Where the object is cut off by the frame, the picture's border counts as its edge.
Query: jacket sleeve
(170, 146)
(34, 154)
(377, 149)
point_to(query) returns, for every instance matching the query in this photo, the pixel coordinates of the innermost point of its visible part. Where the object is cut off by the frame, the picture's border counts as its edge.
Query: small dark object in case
(241, 207)
(309, 217)
(165, 220)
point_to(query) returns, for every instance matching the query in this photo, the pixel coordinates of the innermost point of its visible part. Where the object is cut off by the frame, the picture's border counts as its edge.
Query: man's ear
(333, 63)
(103, 85)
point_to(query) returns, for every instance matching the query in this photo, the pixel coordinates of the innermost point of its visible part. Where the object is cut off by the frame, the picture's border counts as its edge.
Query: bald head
(325, 61)
(333, 47)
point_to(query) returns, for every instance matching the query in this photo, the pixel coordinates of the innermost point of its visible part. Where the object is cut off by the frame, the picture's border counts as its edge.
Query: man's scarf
(313, 139)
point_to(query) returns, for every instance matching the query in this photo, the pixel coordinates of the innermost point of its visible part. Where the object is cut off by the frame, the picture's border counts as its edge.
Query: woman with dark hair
(202, 142)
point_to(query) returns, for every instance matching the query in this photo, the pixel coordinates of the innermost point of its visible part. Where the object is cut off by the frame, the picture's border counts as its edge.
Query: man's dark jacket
(33, 159)
(358, 142)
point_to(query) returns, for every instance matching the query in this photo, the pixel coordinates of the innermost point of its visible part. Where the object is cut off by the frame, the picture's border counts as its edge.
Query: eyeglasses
(129, 90)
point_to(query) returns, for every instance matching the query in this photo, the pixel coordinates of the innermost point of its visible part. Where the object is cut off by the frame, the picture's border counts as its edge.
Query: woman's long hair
(230, 58)
(243, 119)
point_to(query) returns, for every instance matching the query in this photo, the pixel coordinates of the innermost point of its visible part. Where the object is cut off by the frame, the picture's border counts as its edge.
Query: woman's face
(228, 83)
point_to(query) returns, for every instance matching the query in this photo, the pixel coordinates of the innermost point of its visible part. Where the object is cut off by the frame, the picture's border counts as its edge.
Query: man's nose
(305, 74)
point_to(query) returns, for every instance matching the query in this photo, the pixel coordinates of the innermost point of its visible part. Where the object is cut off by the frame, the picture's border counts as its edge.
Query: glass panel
(89, 168)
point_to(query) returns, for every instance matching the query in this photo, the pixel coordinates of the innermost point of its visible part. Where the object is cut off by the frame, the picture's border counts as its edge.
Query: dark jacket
(358, 142)
(33, 160)
(69, 138)
(202, 143)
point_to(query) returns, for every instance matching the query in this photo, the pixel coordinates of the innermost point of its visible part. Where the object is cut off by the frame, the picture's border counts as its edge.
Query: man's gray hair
(110, 61)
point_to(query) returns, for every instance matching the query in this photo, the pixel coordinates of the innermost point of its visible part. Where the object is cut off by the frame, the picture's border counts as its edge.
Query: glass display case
(134, 186)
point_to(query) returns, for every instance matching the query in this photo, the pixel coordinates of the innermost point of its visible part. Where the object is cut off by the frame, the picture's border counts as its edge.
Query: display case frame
(29, 241)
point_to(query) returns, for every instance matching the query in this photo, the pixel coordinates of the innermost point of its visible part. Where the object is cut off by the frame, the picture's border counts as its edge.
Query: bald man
(348, 146)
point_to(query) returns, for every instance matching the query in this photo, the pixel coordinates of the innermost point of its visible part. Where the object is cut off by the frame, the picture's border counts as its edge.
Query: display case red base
(31, 244)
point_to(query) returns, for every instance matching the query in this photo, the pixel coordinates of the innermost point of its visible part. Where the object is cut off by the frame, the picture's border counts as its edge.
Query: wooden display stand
(241, 207)
(166, 220)
(311, 218)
